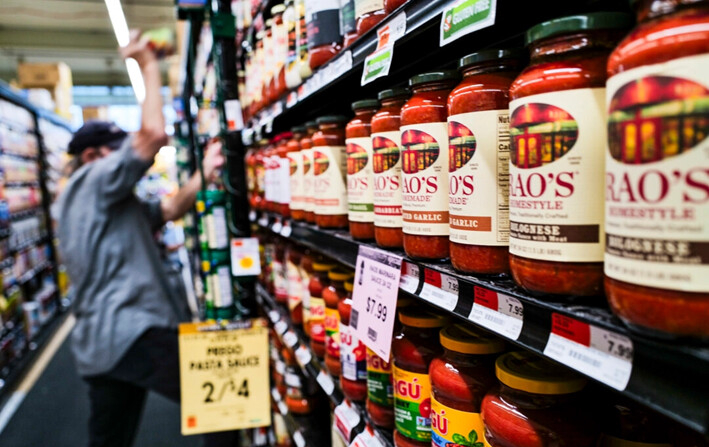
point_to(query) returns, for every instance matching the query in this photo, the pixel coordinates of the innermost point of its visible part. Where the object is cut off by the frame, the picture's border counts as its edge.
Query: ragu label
(295, 286)
(424, 162)
(297, 179)
(329, 164)
(353, 355)
(317, 319)
(452, 427)
(308, 180)
(360, 187)
(332, 332)
(412, 404)
(386, 164)
(380, 389)
(556, 175)
(657, 176)
(478, 178)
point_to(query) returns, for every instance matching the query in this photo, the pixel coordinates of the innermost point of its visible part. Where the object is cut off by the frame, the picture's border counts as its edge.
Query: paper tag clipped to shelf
(281, 327)
(325, 382)
(466, 16)
(604, 355)
(498, 312)
(234, 116)
(274, 316)
(377, 64)
(283, 408)
(263, 221)
(290, 339)
(299, 439)
(366, 439)
(287, 230)
(277, 227)
(376, 288)
(440, 289)
(410, 277)
(303, 356)
(245, 259)
(346, 419)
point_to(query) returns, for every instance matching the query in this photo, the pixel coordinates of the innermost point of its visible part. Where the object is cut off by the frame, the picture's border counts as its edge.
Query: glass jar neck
(467, 359)
(527, 400)
(394, 102)
(433, 86)
(365, 113)
(564, 46)
(653, 9)
(496, 66)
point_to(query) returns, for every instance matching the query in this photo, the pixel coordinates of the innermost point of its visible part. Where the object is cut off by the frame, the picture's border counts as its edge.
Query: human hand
(213, 160)
(139, 49)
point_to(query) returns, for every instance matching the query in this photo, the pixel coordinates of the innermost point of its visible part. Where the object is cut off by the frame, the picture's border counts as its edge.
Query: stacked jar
(316, 309)
(297, 176)
(360, 177)
(306, 148)
(353, 353)
(329, 164)
(333, 294)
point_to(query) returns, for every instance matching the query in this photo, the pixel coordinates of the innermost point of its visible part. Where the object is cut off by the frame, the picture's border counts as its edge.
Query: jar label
(657, 176)
(284, 173)
(329, 164)
(412, 404)
(386, 164)
(297, 178)
(353, 355)
(295, 286)
(360, 188)
(332, 332)
(347, 15)
(425, 178)
(308, 180)
(221, 285)
(260, 178)
(479, 180)
(280, 284)
(379, 381)
(323, 22)
(317, 319)
(363, 7)
(556, 175)
(280, 45)
(455, 427)
(305, 294)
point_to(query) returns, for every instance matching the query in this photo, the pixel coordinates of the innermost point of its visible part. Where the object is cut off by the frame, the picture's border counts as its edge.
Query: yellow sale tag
(224, 376)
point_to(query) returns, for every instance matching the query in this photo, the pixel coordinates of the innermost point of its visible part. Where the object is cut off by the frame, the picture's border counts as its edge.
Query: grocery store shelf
(667, 376)
(29, 212)
(30, 243)
(32, 273)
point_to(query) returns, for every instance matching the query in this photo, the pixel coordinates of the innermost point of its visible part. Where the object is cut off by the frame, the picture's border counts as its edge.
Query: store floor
(56, 408)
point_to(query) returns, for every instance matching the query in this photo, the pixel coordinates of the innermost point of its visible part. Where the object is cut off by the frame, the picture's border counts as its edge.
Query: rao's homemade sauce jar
(329, 164)
(306, 149)
(297, 177)
(360, 177)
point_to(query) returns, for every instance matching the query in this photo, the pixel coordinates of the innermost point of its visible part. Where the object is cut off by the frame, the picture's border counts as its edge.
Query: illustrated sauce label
(317, 319)
(386, 164)
(297, 181)
(295, 286)
(424, 162)
(353, 355)
(379, 381)
(332, 332)
(306, 299)
(308, 180)
(412, 404)
(329, 164)
(657, 176)
(454, 427)
(360, 187)
(479, 177)
(556, 175)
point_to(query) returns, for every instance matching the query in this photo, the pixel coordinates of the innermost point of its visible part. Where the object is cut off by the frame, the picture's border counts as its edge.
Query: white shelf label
(234, 117)
(303, 356)
(366, 439)
(498, 312)
(440, 289)
(245, 260)
(281, 327)
(346, 419)
(293, 380)
(325, 382)
(283, 408)
(274, 316)
(292, 99)
(277, 227)
(410, 277)
(604, 355)
(275, 395)
(286, 231)
(252, 216)
(280, 367)
(298, 439)
(263, 221)
(290, 339)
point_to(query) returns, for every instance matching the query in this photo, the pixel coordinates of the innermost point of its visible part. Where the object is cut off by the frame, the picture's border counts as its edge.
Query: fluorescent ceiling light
(136, 79)
(120, 28)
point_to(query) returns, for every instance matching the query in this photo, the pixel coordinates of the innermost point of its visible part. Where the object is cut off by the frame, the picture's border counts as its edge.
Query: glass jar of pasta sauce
(386, 164)
(306, 273)
(333, 294)
(251, 185)
(460, 378)
(323, 24)
(329, 164)
(306, 145)
(537, 404)
(424, 154)
(657, 181)
(557, 130)
(368, 14)
(413, 350)
(479, 141)
(280, 51)
(268, 64)
(348, 22)
(318, 282)
(280, 282)
(300, 390)
(391, 5)
(295, 283)
(297, 177)
(260, 174)
(360, 178)
(353, 353)
(284, 175)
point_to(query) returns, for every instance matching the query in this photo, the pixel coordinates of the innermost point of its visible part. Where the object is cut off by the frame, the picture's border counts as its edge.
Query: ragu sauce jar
(368, 14)
(386, 164)
(306, 149)
(360, 178)
(479, 141)
(295, 166)
(557, 129)
(329, 164)
(424, 140)
(657, 171)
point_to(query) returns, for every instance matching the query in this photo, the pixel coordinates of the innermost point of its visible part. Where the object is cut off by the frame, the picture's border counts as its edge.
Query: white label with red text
(410, 277)
(329, 164)
(297, 185)
(440, 289)
(308, 179)
(386, 165)
(346, 419)
(498, 312)
(360, 180)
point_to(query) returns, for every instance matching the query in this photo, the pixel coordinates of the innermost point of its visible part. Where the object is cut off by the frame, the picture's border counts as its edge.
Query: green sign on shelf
(377, 64)
(466, 16)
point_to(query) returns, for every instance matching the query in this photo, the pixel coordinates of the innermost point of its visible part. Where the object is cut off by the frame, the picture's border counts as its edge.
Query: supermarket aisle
(55, 413)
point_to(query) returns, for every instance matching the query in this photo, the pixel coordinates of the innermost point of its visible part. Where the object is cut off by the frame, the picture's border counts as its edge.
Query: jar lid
(349, 286)
(416, 317)
(311, 124)
(534, 374)
(581, 22)
(278, 9)
(492, 55)
(393, 93)
(433, 76)
(331, 119)
(340, 275)
(298, 129)
(467, 340)
(365, 104)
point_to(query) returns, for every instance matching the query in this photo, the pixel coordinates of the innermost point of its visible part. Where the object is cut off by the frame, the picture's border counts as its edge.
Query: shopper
(125, 338)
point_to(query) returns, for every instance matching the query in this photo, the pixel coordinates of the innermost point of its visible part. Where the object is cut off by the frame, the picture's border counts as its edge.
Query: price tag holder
(286, 231)
(298, 439)
(376, 288)
(466, 16)
(245, 260)
(281, 327)
(410, 277)
(346, 420)
(290, 339)
(498, 312)
(366, 439)
(224, 376)
(604, 355)
(303, 356)
(274, 316)
(263, 221)
(277, 227)
(325, 382)
(440, 289)
(282, 408)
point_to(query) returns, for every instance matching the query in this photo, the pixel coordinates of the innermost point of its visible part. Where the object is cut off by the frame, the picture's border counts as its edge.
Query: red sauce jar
(318, 283)
(479, 141)
(295, 283)
(260, 174)
(279, 374)
(324, 38)
(306, 273)
(424, 140)
(300, 391)
(348, 22)
(460, 378)
(306, 145)
(391, 5)
(386, 148)
(329, 164)
(269, 64)
(368, 14)
(284, 176)
(259, 62)
(653, 281)
(353, 353)
(333, 294)
(360, 178)
(269, 176)
(297, 177)
(280, 51)
(280, 283)
(413, 350)
(557, 129)
(536, 405)
(251, 180)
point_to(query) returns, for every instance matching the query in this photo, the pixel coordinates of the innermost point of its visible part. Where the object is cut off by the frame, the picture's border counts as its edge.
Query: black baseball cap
(96, 134)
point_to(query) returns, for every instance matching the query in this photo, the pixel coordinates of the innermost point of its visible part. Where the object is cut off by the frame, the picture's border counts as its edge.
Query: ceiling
(77, 32)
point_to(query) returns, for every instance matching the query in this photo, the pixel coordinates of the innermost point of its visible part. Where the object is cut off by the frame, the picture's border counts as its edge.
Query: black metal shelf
(30, 243)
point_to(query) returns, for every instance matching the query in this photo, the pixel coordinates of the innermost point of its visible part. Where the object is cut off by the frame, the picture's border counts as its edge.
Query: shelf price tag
(281, 327)
(298, 439)
(287, 230)
(277, 227)
(290, 339)
(292, 99)
(274, 316)
(376, 287)
(498, 312)
(377, 64)
(440, 289)
(263, 221)
(466, 16)
(325, 382)
(366, 439)
(604, 355)
(282, 408)
(234, 116)
(303, 356)
(346, 419)
(224, 376)
(245, 260)
(410, 277)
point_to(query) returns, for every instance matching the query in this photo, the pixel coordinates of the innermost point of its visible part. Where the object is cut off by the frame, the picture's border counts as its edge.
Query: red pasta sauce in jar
(386, 164)
(557, 130)
(424, 154)
(333, 294)
(295, 283)
(479, 142)
(657, 171)
(360, 177)
(316, 323)
(324, 38)
(353, 353)
(368, 14)
(306, 145)
(297, 177)
(329, 164)
(284, 175)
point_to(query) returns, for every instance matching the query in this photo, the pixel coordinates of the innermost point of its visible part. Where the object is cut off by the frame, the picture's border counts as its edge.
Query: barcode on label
(354, 318)
(494, 319)
(584, 358)
(372, 334)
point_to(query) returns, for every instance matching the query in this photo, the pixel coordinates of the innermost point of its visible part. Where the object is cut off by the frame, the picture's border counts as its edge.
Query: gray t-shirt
(106, 240)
